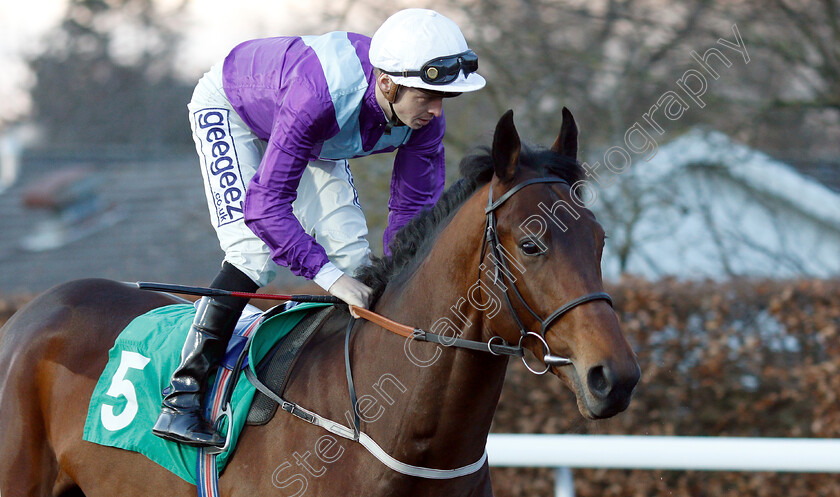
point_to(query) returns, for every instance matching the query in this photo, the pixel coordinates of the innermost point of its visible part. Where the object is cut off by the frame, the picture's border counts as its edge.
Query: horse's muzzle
(609, 389)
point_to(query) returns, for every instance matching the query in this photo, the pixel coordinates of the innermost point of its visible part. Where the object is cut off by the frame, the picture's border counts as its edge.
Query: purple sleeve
(418, 177)
(303, 120)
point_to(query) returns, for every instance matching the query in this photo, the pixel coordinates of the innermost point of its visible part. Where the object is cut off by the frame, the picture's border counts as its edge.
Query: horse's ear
(567, 142)
(506, 147)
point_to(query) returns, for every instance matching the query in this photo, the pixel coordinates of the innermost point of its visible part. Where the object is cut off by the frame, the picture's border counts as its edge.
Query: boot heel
(181, 419)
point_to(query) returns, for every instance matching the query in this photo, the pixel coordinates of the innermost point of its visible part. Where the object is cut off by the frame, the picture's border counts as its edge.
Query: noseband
(502, 272)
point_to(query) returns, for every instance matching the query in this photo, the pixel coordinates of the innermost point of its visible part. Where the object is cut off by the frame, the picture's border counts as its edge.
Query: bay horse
(425, 404)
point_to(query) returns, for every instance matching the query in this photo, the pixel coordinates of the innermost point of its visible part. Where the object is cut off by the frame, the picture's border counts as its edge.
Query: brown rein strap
(393, 326)
(496, 346)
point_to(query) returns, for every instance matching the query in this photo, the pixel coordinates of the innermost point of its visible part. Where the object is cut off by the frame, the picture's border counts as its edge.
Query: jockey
(274, 125)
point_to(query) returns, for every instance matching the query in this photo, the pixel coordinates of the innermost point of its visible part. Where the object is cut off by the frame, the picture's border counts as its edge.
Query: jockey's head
(425, 51)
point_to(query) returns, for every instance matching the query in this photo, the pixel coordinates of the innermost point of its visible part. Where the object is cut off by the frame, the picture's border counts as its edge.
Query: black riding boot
(181, 418)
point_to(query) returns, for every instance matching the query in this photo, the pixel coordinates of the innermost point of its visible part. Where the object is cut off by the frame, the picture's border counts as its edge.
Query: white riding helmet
(421, 48)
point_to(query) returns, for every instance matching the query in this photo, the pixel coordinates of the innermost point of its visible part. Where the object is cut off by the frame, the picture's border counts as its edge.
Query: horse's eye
(530, 247)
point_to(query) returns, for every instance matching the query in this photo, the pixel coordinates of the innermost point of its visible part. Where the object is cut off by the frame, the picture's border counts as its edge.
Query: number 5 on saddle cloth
(127, 397)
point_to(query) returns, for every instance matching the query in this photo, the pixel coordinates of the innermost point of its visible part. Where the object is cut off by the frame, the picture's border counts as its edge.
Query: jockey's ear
(387, 87)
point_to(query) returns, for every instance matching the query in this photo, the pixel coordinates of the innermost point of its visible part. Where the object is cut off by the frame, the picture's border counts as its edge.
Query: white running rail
(562, 452)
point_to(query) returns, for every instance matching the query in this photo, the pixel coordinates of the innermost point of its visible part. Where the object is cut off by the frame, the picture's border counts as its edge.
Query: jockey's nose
(436, 107)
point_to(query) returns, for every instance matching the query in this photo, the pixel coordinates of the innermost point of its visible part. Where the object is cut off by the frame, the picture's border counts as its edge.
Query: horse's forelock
(478, 166)
(549, 163)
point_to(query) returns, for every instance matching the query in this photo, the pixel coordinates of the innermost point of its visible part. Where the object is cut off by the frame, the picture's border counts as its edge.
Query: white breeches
(327, 204)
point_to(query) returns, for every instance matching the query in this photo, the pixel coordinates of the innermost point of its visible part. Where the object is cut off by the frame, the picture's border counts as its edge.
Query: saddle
(273, 371)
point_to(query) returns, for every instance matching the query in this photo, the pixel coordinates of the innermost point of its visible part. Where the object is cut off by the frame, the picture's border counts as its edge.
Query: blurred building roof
(119, 215)
(706, 206)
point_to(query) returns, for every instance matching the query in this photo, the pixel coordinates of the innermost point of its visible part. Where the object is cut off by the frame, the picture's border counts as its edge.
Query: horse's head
(543, 256)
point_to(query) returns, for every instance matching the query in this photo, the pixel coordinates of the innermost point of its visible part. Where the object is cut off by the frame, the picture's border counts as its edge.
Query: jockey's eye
(531, 247)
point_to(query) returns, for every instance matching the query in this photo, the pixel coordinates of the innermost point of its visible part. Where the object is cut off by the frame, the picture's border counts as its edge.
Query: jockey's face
(414, 107)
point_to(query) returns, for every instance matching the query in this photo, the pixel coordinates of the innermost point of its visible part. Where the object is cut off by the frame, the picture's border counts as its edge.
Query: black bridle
(502, 272)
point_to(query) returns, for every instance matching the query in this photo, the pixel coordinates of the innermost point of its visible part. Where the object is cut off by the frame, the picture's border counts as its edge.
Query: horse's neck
(451, 394)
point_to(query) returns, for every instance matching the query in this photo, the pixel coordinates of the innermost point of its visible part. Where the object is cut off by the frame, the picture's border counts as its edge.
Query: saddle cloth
(127, 398)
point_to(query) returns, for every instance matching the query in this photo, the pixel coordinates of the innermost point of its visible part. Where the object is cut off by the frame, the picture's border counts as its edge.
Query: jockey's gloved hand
(351, 291)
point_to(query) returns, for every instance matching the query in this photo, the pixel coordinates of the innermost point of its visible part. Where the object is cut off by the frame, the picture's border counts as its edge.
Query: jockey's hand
(351, 291)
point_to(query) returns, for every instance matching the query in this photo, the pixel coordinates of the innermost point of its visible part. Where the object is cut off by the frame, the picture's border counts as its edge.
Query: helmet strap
(391, 97)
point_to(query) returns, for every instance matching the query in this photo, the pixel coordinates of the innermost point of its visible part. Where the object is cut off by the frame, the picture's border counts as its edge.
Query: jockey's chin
(419, 122)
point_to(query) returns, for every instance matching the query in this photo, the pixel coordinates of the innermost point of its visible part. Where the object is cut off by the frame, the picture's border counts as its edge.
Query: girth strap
(363, 438)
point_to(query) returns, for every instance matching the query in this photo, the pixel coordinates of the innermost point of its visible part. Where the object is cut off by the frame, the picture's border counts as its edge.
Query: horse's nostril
(598, 380)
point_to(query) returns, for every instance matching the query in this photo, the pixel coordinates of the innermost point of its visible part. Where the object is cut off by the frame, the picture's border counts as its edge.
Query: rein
(502, 272)
(502, 348)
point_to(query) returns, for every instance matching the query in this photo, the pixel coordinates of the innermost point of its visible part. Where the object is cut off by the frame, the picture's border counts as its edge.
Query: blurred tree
(796, 105)
(610, 61)
(107, 77)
